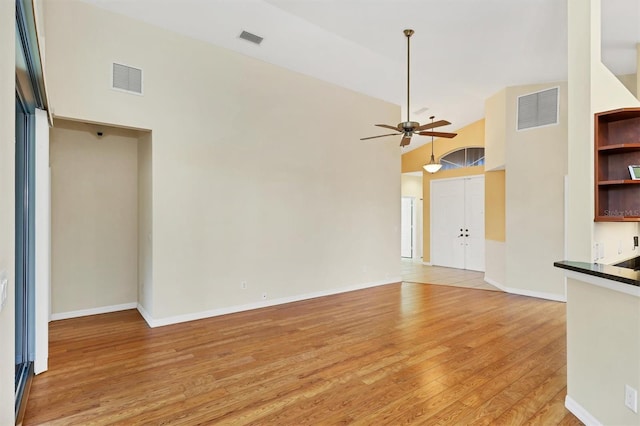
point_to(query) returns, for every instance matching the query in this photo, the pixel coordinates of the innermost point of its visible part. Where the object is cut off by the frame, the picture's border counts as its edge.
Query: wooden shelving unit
(617, 145)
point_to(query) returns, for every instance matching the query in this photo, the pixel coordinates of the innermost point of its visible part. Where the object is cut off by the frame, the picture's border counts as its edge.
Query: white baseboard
(146, 315)
(577, 410)
(256, 305)
(427, 263)
(93, 311)
(522, 292)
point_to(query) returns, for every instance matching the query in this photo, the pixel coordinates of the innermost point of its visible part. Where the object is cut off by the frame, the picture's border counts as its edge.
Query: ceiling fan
(409, 128)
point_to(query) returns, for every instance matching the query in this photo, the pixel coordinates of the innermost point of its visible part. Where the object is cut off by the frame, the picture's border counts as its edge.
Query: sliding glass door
(24, 246)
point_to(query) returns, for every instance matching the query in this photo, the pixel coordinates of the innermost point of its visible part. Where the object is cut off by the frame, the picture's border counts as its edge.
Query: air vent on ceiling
(538, 109)
(126, 78)
(245, 35)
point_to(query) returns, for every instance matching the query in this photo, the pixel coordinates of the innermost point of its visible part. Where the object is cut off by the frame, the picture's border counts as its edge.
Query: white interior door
(457, 223)
(447, 223)
(474, 223)
(406, 227)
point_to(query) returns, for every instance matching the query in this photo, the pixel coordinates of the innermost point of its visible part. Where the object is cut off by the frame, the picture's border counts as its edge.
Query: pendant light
(432, 167)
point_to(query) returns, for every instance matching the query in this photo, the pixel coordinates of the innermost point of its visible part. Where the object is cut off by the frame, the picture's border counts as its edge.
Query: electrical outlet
(601, 251)
(635, 242)
(596, 251)
(243, 285)
(264, 296)
(631, 398)
(619, 246)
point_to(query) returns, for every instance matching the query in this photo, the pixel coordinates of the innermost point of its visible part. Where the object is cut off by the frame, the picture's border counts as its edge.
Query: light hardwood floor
(396, 354)
(418, 273)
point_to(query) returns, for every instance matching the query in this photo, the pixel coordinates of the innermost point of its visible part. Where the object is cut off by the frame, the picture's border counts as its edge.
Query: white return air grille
(126, 78)
(538, 109)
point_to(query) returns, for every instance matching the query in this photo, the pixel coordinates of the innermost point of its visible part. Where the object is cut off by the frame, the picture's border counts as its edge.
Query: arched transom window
(464, 157)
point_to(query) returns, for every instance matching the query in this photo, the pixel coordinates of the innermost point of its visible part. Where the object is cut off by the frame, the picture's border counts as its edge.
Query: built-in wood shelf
(617, 146)
(620, 147)
(619, 182)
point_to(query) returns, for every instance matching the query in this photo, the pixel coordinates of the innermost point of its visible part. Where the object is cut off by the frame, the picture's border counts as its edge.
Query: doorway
(457, 223)
(407, 212)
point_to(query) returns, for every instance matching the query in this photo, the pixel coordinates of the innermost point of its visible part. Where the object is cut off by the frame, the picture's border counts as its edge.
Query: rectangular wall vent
(126, 78)
(245, 35)
(538, 109)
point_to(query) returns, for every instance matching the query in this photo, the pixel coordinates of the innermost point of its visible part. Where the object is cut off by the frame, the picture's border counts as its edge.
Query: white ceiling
(463, 51)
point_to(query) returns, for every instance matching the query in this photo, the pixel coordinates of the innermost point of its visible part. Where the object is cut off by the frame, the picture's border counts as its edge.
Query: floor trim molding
(578, 410)
(93, 311)
(522, 292)
(152, 322)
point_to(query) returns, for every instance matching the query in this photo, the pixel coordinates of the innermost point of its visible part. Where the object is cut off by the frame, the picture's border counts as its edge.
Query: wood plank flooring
(396, 354)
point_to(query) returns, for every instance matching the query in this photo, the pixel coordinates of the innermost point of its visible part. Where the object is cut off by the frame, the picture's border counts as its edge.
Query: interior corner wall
(536, 161)
(7, 219)
(145, 223)
(629, 81)
(238, 193)
(94, 218)
(495, 227)
(495, 114)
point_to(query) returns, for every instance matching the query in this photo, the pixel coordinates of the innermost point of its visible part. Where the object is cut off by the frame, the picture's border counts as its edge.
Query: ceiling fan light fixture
(432, 167)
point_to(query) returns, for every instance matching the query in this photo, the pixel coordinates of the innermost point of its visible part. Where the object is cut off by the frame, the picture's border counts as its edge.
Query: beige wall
(603, 349)
(238, 193)
(495, 205)
(7, 193)
(495, 114)
(592, 88)
(145, 223)
(94, 216)
(602, 328)
(536, 164)
(629, 81)
(411, 186)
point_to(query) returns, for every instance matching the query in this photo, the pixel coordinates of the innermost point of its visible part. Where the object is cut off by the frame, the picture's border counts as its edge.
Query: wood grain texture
(397, 354)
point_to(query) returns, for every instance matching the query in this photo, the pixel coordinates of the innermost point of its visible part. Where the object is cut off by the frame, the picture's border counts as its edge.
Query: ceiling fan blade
(386, 126)
(439, 134)
(380, 136)
(438, 123)
(406, 140)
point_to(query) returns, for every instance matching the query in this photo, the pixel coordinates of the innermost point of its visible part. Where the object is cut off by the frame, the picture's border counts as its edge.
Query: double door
(457, 223)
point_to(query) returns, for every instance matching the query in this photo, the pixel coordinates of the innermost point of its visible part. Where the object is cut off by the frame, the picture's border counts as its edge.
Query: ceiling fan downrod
(408, 33)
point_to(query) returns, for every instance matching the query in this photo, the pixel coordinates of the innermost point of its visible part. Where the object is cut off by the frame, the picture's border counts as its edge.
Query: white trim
(537, 294)
(577, 410)
(427, 263)
(603, 282)
(146, 315)
(93, 311)
(42, 233)
(256, 305)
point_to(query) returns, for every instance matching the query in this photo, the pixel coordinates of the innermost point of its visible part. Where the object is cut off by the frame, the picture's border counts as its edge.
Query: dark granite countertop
(609, 272)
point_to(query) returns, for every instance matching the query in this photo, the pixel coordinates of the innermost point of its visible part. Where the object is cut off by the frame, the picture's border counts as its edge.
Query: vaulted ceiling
(463, 51)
